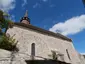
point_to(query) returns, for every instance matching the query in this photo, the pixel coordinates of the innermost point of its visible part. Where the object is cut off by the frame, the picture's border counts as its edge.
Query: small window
(68, 54)
(33, 50)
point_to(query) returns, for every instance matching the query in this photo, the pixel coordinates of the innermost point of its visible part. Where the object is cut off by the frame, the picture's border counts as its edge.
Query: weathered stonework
(82, 59)
(44, 43)
(5, 56)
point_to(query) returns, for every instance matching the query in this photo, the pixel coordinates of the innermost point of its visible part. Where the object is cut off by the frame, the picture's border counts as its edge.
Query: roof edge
(58, 35)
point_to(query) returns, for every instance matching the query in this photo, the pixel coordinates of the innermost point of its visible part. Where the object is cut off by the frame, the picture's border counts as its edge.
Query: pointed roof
(25, 19)
(26, 13)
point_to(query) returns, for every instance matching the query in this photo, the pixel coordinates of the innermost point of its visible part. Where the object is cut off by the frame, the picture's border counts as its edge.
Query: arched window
(33, 50)
(68, 54)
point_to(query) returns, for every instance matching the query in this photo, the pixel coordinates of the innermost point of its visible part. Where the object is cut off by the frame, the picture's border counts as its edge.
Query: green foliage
(1, 16)
(53, 55)
(7, 43)
(5, 23)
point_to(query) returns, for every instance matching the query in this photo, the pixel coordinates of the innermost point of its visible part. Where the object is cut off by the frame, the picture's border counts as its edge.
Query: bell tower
(25, 19)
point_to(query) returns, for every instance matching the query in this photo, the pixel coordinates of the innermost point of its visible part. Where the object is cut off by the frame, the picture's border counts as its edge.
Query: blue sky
(64, 16)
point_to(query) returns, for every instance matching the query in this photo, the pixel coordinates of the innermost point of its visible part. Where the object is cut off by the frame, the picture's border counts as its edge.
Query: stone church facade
(37, 44)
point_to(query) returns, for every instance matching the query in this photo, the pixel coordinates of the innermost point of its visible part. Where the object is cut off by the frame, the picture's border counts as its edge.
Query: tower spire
(26, 13)
(25, 19)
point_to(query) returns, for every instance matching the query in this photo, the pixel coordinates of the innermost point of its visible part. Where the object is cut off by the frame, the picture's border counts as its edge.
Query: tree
(6, 42)
(4, 23)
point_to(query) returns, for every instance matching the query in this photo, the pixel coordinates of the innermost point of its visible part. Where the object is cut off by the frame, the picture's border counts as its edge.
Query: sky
(63, 16)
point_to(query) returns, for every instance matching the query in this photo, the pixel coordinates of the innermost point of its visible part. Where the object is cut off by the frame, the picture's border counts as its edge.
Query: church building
(35, 43)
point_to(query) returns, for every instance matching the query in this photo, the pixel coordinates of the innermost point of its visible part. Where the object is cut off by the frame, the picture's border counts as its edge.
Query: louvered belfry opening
(25, 19)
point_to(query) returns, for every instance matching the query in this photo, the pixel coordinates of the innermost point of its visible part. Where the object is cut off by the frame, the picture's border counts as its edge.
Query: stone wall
(5, 56)
(82, 59)
(44, 43)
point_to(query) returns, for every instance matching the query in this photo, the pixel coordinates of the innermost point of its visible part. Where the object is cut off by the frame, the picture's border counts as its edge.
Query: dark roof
(58, 35)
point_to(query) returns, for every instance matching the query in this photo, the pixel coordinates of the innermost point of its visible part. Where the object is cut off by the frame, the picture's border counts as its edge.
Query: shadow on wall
(45, 62)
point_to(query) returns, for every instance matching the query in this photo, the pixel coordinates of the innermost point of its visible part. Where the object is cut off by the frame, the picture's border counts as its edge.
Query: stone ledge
(4, 53)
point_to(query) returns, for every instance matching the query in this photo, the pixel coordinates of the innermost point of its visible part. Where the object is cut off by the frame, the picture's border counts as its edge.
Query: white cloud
(24, 3)
(44, 0)
(36, 5)
(70, 26)
(7, 5)
(82, 53)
